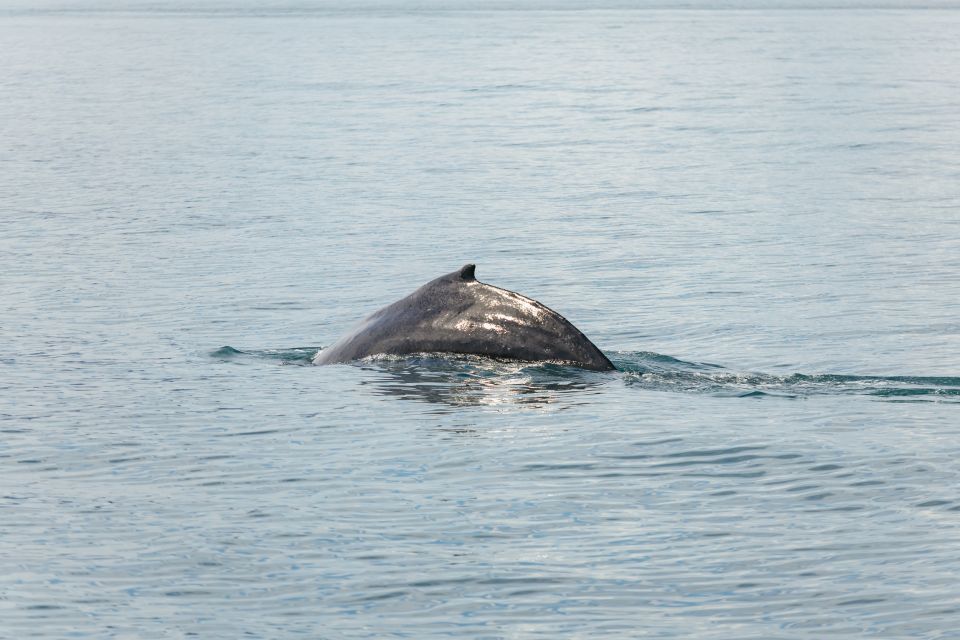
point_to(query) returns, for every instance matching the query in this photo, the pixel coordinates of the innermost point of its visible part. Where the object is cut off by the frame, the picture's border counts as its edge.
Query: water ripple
(471, 380)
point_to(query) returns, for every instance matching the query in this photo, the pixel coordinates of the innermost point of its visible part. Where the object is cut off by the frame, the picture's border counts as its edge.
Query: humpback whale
(458, 314)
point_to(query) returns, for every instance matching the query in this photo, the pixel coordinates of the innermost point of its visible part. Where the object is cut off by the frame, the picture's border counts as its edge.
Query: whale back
(456, 313)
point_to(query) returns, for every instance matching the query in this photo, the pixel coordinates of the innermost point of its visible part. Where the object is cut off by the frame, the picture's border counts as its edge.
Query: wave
(660, 372)
(290, 355)
(442, 375)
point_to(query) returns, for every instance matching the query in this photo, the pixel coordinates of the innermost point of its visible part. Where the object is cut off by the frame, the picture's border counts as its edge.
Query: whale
(458, 314)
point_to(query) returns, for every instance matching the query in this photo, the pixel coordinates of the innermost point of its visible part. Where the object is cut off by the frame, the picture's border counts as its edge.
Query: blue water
(755, 213)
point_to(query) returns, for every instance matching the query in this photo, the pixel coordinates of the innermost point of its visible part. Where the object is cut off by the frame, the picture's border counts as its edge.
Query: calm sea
(755, 213)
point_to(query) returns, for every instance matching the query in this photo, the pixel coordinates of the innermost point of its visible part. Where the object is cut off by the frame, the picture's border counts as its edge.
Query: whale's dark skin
(458, 314)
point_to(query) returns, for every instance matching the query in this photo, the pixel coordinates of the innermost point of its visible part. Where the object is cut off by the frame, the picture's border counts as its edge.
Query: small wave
(664, 373)
(225, 353)
(292, 355)
(467, 379)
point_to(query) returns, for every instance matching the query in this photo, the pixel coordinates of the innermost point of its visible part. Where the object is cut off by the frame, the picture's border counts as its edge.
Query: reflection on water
(463, 380)
(447, 379)
(472, 381)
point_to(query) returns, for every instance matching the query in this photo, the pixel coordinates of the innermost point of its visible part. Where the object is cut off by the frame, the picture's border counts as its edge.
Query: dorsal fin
(466, 272)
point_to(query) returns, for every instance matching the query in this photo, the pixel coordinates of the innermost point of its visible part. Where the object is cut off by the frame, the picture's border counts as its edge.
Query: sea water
(754, 212)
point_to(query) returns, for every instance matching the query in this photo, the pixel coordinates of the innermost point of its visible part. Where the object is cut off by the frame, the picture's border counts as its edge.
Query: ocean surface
(754, 213)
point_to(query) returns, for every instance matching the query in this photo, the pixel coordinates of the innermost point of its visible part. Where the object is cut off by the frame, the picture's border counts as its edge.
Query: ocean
(754, 212)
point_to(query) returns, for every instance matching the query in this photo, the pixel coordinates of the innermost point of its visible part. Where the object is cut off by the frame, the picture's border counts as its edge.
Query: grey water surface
(754, 213)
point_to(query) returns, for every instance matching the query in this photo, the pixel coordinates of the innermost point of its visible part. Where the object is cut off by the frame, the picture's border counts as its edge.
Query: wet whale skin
(456, 313)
